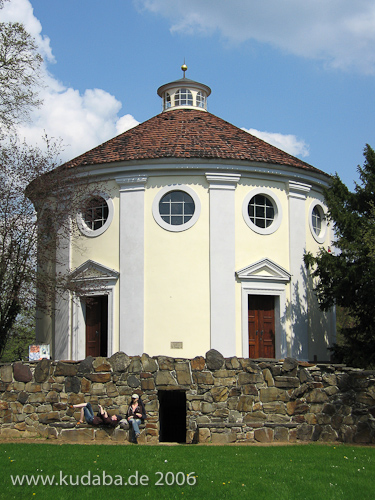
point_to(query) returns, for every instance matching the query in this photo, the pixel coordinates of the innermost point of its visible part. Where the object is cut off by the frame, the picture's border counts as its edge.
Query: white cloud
(82, 121)
(288, 143)
(339, 32)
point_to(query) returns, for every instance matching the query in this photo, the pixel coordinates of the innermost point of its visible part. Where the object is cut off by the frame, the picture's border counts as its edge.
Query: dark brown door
(96, 326)
(261, 310)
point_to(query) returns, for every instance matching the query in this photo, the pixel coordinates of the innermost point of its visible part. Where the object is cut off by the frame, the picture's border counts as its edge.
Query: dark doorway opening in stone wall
(172, 416)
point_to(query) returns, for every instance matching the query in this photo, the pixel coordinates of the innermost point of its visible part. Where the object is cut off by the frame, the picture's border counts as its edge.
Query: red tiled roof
(187, 133)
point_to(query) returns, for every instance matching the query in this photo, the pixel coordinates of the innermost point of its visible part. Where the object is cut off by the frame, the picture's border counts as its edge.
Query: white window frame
(85, 230)
(320, 238)
(276, 206)
(181, 227)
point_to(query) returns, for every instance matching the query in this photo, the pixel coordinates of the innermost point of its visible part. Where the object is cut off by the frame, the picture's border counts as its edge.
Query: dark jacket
(139, 409)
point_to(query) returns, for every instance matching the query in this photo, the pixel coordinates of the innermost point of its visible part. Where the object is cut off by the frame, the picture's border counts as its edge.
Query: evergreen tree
(346, 278)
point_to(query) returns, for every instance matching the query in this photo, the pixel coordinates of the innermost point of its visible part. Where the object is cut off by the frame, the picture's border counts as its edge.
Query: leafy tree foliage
(346, 278)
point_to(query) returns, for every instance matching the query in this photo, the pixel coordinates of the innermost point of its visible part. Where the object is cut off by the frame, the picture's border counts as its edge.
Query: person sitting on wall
(135, 414)
(101, 418)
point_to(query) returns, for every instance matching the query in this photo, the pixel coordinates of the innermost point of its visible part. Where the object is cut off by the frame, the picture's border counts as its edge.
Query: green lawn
(276, 472)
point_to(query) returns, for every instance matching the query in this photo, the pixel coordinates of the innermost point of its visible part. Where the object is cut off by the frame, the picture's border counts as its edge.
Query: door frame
(105, 284)
(280, 305)
(265, 277)
(79, 323)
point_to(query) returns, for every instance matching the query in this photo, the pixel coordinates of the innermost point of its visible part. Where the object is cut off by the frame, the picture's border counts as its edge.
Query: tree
(38, 197)
(346, 278)
(20, 79)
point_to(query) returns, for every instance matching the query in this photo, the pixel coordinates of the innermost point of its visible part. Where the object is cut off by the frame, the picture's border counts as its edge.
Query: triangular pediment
(264, 270)
(93, 271)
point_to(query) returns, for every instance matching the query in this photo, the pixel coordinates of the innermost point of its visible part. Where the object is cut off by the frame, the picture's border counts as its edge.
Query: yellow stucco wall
(252, 247)
(177, 301)
(177, 267)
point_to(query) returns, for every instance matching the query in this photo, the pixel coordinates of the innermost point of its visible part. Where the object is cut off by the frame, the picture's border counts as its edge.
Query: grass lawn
(276, 472)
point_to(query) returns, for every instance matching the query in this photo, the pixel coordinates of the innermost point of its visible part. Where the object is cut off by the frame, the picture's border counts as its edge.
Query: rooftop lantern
(184, 93)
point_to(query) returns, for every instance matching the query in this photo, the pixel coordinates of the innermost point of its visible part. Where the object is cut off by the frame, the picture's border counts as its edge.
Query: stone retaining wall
(228, 400)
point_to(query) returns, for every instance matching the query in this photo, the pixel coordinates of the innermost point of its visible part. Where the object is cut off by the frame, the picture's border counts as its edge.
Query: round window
(317, 222)
(176, 208)
(96, 215)
(261, 211)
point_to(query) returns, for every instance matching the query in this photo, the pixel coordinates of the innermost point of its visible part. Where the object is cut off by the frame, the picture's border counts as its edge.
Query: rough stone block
(267, 375)
(85, 385)
(206, 407)
(219, 394)
(98, 389)
(120, 362)
(289, 364)
(274, 407)
(232, 363)
(165, 378)
(268, 394)
(101, 364)
(100, 378)
(245, 403)
(21, 372)
(85, 366)
(72, 384)
(250, 389)
(42, 370)
(6, 373)
(281, 434)
(149, 364)
(46, 418)
(316, 396)
(65, 369)
(214, 359)
(263, 435)
(111, 390)
(147, 384)
(198, 363)
(245, 378)
(223, 437)
(203, 378)
(287, 382)
(328, 434)
(77, 435)
(304, 432)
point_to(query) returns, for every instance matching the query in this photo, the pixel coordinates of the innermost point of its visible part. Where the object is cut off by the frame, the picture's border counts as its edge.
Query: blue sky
(298, 74)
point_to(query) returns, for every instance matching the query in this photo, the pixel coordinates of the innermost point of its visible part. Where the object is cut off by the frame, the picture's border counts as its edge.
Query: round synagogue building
(196, 237)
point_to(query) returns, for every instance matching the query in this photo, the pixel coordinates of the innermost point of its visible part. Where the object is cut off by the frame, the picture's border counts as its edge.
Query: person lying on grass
(101, 418)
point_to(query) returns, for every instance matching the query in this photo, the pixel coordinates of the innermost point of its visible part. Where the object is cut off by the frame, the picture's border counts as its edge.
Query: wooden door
(261, 317)
(96, 326)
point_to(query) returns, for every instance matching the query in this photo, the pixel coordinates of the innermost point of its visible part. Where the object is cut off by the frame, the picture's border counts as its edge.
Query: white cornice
(131, 182)
(223, 180)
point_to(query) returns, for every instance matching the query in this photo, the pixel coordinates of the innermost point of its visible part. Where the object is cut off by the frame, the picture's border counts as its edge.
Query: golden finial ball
(184, 67)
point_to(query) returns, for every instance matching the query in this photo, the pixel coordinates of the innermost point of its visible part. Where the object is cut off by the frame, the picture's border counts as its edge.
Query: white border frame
(86, 231)
(276, 205)
(320, 238)
(181, 227)
(278, 291)
(79, 321)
